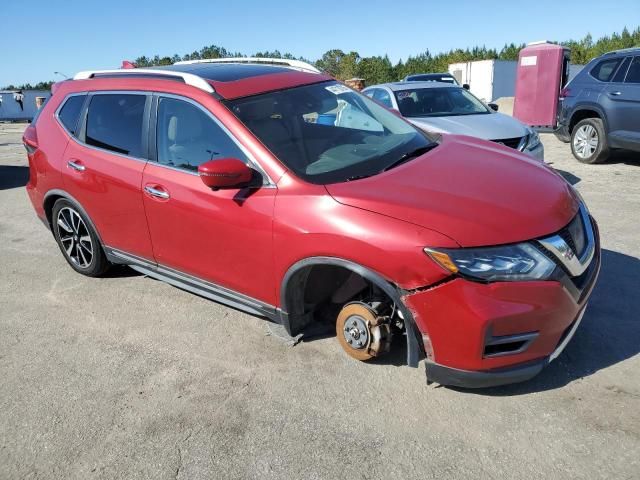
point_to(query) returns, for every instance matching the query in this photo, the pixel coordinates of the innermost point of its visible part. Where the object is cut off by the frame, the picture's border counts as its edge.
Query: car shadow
(13, 176)
(608, 334)
(568, 176)
(121, 271)
(624, 156)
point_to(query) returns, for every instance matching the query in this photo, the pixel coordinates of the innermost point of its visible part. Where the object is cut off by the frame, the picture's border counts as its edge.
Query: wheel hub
(362, 333)
(356, 332)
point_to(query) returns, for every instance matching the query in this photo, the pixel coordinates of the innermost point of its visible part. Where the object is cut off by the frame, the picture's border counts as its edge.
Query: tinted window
(187, 136)
(633, 75)
(70, 112)
(622, 70)
(604, 70)
(383, 97)
(114, 122)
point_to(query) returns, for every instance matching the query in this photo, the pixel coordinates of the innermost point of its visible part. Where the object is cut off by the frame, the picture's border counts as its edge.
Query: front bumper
(462, 321)
(454, 377)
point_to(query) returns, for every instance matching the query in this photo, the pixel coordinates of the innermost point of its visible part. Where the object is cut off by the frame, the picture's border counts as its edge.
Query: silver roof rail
(188, 78)
(295, 64)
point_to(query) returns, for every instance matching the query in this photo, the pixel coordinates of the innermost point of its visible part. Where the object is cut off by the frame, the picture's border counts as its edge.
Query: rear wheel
(589, 141)
(77, 240)
(362, 332)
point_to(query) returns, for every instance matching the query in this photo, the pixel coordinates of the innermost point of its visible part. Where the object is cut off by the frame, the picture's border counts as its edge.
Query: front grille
(509, 142)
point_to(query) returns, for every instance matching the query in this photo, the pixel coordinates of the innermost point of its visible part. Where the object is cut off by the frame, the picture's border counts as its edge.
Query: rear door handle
(155, 192)
(615, 94)
(76, 165)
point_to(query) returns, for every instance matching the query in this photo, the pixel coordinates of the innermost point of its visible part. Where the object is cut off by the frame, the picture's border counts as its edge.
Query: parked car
(600, 107)
(444, 108)
(226, 178)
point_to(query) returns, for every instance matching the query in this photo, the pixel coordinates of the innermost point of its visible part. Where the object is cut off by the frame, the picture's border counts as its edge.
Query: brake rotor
(361, 332)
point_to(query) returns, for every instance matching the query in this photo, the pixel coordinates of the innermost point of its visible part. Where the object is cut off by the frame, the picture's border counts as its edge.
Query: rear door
(103, 167)
(627, 103)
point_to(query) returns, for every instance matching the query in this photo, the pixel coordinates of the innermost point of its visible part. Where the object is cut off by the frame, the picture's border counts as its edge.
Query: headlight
(492, 264)
(533, 139)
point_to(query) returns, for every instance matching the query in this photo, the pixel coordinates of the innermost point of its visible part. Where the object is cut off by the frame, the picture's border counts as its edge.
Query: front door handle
(76, 165)
(155, 192)
(615, 94)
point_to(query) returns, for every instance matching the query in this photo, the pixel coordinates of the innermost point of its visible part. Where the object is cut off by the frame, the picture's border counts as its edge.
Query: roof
(399, 86)
(624, 51)
(228, 78)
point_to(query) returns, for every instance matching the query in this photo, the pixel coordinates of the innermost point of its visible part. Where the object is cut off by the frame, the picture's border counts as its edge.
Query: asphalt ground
(127, 377)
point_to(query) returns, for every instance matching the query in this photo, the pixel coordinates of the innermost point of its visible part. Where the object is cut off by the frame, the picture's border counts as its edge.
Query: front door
(223, 236)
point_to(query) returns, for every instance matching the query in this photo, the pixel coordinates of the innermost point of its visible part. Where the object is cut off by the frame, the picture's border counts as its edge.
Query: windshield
(438, 102)
(328, 133)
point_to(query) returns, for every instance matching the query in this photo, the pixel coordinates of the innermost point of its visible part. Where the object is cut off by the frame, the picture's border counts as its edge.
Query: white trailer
(487, 79)
(20, 105)
(492, 79)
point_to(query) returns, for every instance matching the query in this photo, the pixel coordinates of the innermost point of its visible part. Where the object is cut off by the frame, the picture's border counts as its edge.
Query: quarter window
(633, 75)
(187, 136)
(70, 112)
(114, 122)
(604, 70)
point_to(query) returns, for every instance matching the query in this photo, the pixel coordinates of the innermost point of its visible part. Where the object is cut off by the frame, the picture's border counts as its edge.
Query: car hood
(473, 192)
(490, 126)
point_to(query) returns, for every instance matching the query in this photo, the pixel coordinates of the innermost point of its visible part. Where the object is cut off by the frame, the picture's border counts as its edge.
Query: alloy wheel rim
(585, 141)
(75, 238)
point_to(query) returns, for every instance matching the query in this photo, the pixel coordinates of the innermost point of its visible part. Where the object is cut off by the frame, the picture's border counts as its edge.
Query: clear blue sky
(43, 36)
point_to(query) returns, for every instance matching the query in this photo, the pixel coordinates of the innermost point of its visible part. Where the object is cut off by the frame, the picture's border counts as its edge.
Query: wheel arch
(291, 299)
(587, 111)
(52, 196)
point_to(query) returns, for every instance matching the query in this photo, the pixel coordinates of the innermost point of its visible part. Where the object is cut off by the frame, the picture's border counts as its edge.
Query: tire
(78, 241)
(589, 141)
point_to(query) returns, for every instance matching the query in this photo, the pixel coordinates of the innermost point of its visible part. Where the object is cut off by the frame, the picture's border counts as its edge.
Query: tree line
(379, 69)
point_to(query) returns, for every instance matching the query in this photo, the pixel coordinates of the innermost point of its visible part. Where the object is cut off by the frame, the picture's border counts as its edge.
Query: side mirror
(225, 173)
(466, 86)
(493, 106)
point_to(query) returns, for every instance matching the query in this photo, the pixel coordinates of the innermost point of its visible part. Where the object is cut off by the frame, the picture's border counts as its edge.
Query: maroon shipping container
(543, 69)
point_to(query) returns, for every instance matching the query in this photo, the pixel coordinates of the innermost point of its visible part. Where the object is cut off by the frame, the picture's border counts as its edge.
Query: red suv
(274, 189)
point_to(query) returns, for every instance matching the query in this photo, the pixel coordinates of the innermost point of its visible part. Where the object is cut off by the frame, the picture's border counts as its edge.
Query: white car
(445, 108)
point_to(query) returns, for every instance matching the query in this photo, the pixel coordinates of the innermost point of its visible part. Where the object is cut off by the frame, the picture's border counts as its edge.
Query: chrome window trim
(252, 161)
(563, 252)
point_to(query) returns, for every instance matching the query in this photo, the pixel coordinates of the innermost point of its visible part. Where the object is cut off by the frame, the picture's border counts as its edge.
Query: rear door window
(622, 71)
(604, 70)
(70, 112)
(633, 75)
(115, 123)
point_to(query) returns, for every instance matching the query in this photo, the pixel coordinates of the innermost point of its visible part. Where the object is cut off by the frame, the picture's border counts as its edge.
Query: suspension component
(362, 332)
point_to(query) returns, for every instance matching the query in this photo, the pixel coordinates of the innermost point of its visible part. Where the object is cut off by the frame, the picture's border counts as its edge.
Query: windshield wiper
(357, 177)
(409, 155)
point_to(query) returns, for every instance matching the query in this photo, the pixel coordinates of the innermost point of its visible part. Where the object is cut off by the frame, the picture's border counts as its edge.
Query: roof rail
(295, 64)
(188, 78)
